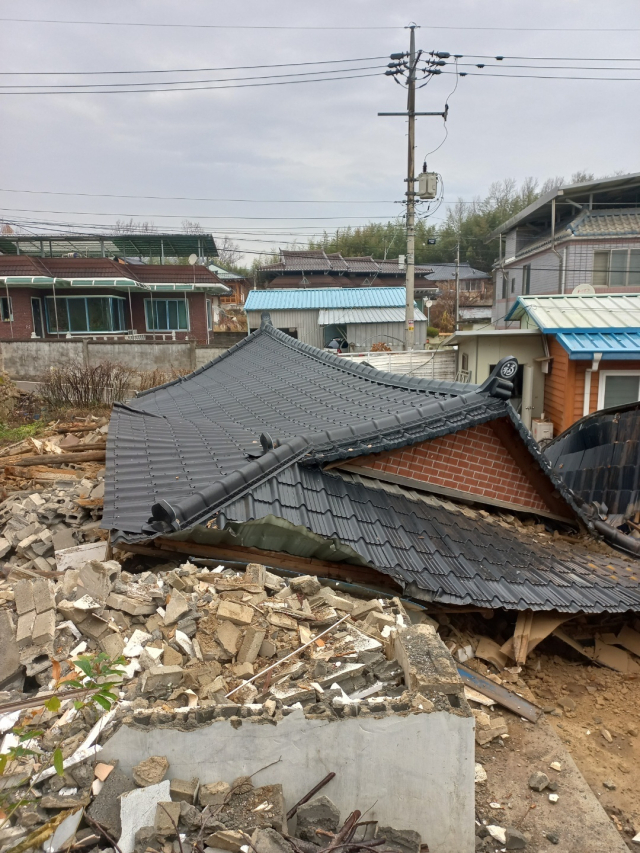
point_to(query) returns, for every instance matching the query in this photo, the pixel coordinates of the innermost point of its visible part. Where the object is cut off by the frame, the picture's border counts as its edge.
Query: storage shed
(362, 316)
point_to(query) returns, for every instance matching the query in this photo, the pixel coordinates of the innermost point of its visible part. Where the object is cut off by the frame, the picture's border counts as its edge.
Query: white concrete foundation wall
(414, 772)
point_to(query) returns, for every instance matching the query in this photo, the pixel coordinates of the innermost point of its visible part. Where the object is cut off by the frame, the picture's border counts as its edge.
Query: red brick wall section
(473, 461)
(197, 314)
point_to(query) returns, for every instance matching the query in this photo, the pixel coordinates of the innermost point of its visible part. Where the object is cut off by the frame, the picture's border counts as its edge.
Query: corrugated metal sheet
(333, 297)
(611, 345)
(304, 322)
(587, 312)
(333, 316)
(430, 364)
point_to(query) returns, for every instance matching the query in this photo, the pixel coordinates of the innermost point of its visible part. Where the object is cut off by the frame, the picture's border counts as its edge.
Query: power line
(188, 198)
(189, 70)
(552, 58)
(181, 82)
(556, 67)
(539, 76)
(330, 28)
(171, 215)
(188, 88)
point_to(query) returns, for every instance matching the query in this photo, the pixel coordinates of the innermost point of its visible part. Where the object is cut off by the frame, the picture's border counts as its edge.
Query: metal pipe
(616, 538)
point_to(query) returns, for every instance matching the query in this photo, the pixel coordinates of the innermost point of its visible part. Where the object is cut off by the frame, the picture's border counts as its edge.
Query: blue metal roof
(326, 297)
(612, 345)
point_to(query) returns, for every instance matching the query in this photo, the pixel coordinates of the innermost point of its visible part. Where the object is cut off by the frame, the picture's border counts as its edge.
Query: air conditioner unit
(541, 430)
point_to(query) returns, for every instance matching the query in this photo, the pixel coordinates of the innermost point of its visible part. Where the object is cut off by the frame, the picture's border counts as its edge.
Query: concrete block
(226, 839)
(268, 649)
(23, 594)
(245, 810)
(213, 794)
(92, 626)
(269, 841)
(106, 807)
(9, 655)
(399, 840)
(228, 635)
(243, 670)
(138, 809)
(5, 547)
(160, 677)
(428, 667)
(151, 771)
(112, 645)
(44, 628)
(62, 540)
(25, 629)
(98, 578)
(183, 791)
(307, 585)
(232, 611)
(363, 608)
(177, 607)
(167, 817)
(132, 606)
(75, 556)
(256, 573)
(251, 644)
(43, 595)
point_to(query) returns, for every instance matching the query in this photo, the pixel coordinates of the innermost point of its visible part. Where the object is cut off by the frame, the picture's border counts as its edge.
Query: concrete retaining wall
(412, 772)
(31, 360)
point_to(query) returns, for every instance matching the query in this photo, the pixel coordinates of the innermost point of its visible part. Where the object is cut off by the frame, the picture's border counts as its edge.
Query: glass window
(526, 279)
(618, 274)
(84, 314)
(6, 308)
(620, 389)
(167, 315)
(634, 268)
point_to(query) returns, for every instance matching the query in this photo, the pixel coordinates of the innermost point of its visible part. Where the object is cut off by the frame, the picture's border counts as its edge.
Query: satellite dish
(193, 260)
(583, 288)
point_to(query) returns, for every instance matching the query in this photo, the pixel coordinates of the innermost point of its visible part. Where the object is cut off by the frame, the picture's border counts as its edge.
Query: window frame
(609, 271)
(49, 313)
(602, 382)
(147, 305)
(9, 302)
(526, 279)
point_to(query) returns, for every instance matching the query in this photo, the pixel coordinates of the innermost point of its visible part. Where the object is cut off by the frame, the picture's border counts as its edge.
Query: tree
(130, 226)
(229, 253)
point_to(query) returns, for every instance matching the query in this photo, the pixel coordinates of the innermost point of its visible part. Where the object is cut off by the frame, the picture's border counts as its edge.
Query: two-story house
(583, 234)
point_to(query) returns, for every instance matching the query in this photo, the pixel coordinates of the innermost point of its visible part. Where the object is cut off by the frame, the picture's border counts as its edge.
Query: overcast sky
(318, 142)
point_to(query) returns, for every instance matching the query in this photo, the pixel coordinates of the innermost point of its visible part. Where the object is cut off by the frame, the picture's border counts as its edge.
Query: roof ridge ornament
(500, 381)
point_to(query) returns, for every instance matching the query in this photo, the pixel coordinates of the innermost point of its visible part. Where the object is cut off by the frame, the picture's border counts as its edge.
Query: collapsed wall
(408, 759)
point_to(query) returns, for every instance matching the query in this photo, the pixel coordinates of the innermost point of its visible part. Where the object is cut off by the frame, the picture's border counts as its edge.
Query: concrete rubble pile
(193, 639)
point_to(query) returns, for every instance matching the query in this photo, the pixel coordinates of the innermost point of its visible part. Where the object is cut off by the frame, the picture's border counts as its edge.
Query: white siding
(580, 259)
(362, 336)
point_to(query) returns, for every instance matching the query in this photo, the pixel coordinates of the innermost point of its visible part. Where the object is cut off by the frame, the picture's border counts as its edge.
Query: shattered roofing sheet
(449, 554)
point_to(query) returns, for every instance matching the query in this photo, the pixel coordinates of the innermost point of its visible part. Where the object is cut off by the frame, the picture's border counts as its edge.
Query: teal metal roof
(585, 312)
(46, 281)
(327, 297)
(619, 346)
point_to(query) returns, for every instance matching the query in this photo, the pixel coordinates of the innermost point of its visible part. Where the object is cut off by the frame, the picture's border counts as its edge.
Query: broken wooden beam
(57, 458)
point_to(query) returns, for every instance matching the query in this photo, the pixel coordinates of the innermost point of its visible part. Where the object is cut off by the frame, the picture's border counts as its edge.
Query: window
(504, 285)
(209, 316)
(618, 387)
(84, 314)
(513, 285)
(167, 315)
(6, 309)
(617, 268)
(526, 279)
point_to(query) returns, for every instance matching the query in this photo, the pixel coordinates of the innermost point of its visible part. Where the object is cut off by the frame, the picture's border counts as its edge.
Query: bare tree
(123, 226)
(229, 253)
(190, 227)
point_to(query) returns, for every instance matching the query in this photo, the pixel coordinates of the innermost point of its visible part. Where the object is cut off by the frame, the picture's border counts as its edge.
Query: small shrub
(86, 387)
(380, 347)
(432, 332)
(152, 378)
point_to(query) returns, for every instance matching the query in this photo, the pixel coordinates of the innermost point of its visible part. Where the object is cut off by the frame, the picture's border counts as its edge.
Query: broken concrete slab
(176, 608)
(161, 677)
(224, 839)
(10, 667)
(269, 841)
(213, 794)
(166, 818)
(75, 556)
(251, 645)
(183, 790)
(306, 584)
(98, 578)
(151, 771)
(426, 662)
(228, 635)
(319, 813)
(138, 809)
(239, 614)
(399, 840)
(132, 606)
(105, 808)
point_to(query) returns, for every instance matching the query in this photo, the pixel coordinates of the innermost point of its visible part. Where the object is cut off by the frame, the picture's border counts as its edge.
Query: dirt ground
(592, 718)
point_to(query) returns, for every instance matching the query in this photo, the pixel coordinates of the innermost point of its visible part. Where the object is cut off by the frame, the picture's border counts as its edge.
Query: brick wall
(473, 461)
(197, 315)
(22, 319)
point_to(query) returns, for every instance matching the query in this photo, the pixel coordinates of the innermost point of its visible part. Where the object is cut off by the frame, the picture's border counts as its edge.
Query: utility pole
(457, 317)
(399, 66)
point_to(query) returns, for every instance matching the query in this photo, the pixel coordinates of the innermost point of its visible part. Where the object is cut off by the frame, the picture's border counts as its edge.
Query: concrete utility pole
(457, 317)
(413, 58)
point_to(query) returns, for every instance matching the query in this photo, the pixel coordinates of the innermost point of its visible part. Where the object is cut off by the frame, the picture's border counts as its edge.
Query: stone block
(176, 608)
(112, 645)
(151, 771)
(251, 645)
(9, 655)
(426, 662)
(167, 817)
(256, 573)
(23, 593)
(92, 626)
(224, 839)
(243, 670)
(306, 584)
(160, 677)
(98, 578)
(228, 635)
(319, 813)
(233, 611)
(5, 547)
(44, 628)
(183, 790)
(213, 794)
(363, 608)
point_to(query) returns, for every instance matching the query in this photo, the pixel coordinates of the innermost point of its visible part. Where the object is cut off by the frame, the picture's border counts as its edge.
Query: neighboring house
(592, 358)
(49, 298)
(470, 278)
(362, 316)
(315, 268)
(583, 234)
(282, 454)
(238, 284)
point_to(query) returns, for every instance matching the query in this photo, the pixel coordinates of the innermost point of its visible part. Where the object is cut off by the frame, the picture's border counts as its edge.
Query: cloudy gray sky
(319, 142)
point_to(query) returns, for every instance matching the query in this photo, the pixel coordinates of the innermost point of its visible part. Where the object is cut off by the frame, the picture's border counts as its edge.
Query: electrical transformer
(427, 185)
